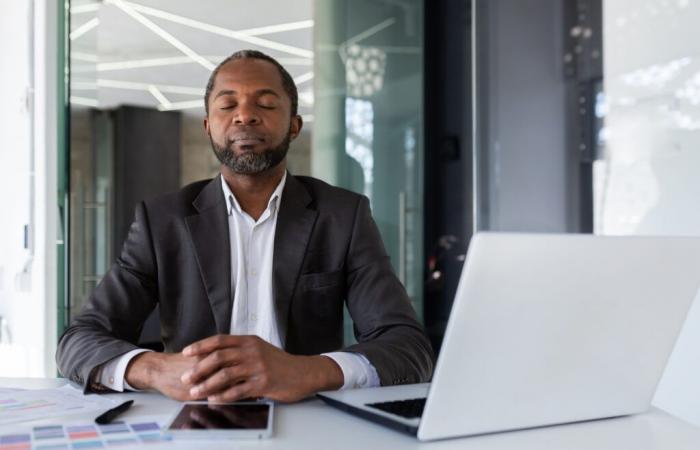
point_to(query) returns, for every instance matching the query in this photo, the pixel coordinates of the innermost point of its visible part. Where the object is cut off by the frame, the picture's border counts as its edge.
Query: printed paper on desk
(4, 390)
(21, 406)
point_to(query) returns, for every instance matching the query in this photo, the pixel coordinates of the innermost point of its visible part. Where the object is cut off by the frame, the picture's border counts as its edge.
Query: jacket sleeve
(385, 325)
(111, 320)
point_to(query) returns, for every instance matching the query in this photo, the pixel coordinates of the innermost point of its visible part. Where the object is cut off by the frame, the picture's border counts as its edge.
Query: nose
(246, 114)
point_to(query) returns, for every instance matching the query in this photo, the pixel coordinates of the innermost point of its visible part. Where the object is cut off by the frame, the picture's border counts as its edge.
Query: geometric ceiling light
(371, 31)
(160, 62)
(162, 33)
(303, 78)
(364, 70)
(269, 29)
(130, 85)
(297, 56)
(83, 101)
(84, 28)
(364, 65)
(150, 62)
(164, 102)
(189, 104)
(110, 66)
(239, 35)
(85, 8)
(165, 61)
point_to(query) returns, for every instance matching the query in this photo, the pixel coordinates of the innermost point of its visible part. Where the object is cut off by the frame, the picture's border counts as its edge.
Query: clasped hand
(227, 368)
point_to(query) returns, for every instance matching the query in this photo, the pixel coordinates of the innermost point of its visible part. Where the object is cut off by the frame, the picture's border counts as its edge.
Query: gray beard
(251, 163)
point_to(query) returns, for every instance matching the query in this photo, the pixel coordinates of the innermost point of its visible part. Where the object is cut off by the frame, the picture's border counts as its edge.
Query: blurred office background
(452, 116)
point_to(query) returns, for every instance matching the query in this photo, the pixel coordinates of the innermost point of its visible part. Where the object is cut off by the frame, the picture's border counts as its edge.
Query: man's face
(249, 122)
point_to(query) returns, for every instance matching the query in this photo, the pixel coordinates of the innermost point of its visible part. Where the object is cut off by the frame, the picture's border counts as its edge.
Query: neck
(253, 192)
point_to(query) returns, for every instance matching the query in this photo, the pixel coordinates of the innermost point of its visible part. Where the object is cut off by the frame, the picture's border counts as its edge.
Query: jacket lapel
(294, 225)
(210, 236)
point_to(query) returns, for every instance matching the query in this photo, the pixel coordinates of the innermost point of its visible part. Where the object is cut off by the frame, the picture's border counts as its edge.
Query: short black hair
(287, 81)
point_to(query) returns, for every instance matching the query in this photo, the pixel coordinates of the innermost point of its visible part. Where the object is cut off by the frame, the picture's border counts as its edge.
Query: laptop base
(368, 415)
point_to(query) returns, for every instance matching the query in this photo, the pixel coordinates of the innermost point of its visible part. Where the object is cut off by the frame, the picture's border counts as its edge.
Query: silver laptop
(546, 329)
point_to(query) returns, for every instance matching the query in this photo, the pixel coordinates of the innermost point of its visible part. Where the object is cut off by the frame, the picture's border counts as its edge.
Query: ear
(206, 126)
(295, 127)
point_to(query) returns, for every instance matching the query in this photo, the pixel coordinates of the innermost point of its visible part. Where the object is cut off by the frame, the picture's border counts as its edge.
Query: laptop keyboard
(409, 409)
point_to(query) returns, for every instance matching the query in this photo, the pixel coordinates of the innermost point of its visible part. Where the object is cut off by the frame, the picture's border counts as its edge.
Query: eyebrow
(259, 92)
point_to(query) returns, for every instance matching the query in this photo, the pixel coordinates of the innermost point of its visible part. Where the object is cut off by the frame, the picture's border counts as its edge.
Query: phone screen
(233, 416)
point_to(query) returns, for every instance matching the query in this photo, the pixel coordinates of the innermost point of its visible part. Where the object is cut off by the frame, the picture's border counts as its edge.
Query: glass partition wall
(368, 127)
(588, 120)
(645, 177)
(142, 65)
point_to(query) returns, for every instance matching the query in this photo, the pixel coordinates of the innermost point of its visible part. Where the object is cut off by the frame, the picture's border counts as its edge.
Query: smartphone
(245, 420)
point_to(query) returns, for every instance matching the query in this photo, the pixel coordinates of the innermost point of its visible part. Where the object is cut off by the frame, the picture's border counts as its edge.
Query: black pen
(111, 414)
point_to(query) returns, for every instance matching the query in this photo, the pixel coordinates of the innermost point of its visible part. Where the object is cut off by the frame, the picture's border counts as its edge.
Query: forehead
(248, 74)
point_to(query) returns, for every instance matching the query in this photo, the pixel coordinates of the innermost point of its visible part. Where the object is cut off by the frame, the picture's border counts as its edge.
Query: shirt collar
(232, 202)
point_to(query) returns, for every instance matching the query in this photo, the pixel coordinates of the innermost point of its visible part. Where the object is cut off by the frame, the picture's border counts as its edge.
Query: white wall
(15, 181)
(649, 179)
(28, 275)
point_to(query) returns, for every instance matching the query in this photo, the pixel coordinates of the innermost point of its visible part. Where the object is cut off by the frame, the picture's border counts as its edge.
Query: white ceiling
(179, 41)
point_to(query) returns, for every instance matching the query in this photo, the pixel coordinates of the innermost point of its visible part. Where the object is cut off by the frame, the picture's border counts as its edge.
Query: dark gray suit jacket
(327, 250)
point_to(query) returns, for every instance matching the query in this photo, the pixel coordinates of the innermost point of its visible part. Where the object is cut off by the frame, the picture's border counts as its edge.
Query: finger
(210, 364)
(237, 392)
(210, 344)
(221, 380)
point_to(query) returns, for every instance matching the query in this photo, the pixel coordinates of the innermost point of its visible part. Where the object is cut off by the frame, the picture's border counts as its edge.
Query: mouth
(246, 140)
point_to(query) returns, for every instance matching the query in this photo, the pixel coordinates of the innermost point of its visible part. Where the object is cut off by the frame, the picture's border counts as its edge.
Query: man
(250, 270)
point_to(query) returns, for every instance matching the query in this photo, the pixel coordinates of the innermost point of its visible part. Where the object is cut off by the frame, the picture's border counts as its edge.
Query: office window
(588, 120)
(645, 178)
(143, 65)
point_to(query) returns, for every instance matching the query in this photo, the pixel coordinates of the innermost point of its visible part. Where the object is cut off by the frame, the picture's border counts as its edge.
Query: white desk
(312, 424)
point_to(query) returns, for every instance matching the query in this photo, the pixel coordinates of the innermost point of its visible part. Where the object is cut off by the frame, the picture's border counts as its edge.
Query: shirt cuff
(358, 372)
(111, 374)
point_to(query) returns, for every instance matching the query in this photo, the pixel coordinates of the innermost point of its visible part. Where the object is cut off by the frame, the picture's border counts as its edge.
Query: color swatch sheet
(21, 406)
(85, 436)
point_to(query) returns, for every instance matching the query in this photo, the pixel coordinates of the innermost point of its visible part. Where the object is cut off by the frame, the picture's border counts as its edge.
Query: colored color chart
(67, 437)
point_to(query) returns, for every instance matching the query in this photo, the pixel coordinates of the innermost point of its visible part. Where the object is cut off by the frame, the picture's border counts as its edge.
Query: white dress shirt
(252, 248)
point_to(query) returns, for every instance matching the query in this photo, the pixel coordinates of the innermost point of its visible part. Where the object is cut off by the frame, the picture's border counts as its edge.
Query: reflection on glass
(647, 180)
(368, 120)
(652, 92)
(359, 124)
(364, 70)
